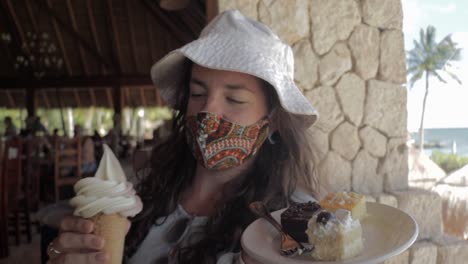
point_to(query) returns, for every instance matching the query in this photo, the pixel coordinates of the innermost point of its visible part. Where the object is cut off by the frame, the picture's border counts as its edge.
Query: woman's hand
(76, 244)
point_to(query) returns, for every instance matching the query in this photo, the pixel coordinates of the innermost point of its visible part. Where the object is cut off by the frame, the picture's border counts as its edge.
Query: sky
(447, 104)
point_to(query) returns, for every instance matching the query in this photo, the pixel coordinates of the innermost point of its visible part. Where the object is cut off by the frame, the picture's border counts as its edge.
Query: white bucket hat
(233, 42)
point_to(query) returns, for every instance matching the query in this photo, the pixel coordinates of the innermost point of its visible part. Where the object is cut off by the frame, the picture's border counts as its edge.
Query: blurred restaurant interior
(64, 56)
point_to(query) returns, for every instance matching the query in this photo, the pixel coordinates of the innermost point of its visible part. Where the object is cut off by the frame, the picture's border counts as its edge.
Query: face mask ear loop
(271, 131)
(270, 138)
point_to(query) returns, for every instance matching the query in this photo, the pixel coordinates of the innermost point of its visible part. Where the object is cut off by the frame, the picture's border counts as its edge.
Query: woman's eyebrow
(198, 82)
(238, 87)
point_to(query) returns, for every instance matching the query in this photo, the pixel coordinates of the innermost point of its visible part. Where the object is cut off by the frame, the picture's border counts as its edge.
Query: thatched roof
(91, 47)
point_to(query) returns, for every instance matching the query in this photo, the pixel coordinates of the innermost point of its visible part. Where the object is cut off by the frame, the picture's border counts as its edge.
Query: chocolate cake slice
(294, 219)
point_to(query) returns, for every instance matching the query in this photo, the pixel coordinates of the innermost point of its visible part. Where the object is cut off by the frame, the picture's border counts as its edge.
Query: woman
(239, 136)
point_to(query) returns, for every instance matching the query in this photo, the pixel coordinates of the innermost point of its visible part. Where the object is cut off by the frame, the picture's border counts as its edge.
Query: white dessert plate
(387, 231)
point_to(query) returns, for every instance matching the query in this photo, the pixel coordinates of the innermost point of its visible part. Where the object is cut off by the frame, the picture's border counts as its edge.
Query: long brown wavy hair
(272, 179)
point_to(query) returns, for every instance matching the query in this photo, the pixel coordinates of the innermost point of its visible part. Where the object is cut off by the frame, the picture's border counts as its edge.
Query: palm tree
(430, 58)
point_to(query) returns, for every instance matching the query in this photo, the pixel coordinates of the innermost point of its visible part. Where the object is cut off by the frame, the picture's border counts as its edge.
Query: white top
(155, 249)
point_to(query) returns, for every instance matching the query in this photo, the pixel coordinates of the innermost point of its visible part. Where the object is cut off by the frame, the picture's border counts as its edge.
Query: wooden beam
(31, 16)
(163, 19)
(77, 98)
(127, 100)
(11, 100)
(74, 81)
(58, 35)
(92, 25)
(109, 97)
(142, 95)
(131, 26)
(17, 25)
(115, 37)
(156, 97)
(76, 36)
(149, 34)
(45, 98)
(71, 13)
(92, 95)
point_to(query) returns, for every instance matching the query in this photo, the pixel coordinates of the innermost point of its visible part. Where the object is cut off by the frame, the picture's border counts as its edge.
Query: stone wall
(350, 63)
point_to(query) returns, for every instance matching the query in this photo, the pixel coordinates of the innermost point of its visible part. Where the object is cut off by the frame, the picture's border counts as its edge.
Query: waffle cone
(113, 229)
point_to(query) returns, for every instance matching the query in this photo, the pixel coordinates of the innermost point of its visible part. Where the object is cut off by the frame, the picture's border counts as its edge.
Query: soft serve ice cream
(108, 192)
(107, 199)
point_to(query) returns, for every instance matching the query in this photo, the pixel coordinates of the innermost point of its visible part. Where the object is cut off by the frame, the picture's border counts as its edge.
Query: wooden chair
(15, 198)
(67, 165)
(4, 252)
(33, 172)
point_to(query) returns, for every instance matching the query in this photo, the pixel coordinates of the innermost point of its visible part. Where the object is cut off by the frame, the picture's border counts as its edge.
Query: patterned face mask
(220, 144)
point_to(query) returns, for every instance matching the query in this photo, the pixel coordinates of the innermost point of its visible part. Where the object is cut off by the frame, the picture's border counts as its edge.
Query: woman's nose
(213, 105)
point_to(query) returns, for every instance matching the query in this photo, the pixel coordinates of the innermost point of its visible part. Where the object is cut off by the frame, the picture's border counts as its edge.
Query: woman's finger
(81, 258)
(67, 241)
(76, 224)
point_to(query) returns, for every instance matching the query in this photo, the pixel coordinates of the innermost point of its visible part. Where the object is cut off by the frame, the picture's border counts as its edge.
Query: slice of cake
(335, 236)
(294, 220)
(353, 202)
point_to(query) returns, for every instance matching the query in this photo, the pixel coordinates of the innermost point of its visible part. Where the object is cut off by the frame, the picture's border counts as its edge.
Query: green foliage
(449, 162)
(100, 119)
(16, 115)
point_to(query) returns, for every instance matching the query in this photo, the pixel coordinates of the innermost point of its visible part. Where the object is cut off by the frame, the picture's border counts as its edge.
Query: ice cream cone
(108, 199)
(113, 229)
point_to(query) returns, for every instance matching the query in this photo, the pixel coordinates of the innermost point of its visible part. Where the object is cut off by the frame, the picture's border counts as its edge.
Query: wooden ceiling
(82, 53)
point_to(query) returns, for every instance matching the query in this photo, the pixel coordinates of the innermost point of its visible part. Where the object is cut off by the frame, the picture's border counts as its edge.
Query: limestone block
(398, 259)
(423, 253)
(385, 108)
(392, 57)
(373, 141)
(426, 209)
(345, 141)
(395, 165)
(451, 250)
(246, 7)
(351, 91)
(319, 143)
(332, 20)
(365, 178)
(364, 45)
(306, 64)
(387, 199)
(289, 19)
(383, 14)
(326, 103)
(335, 173)
(334, 64)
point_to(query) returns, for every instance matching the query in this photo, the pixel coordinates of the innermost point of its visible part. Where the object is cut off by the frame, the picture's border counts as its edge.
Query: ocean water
(445, 138)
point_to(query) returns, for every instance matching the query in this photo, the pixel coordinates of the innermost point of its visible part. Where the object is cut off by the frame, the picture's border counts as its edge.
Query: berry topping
(324, 217)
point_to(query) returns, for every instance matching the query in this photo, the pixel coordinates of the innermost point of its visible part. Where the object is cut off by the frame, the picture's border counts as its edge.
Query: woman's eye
(235, 101)
(196, 94)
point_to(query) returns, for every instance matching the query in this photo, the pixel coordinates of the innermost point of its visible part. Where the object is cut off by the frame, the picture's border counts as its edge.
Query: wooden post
(118, 102)
(211, 7)
(31, 101)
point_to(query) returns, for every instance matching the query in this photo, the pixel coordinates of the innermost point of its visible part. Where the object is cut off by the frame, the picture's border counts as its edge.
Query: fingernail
(98, 242)
(87, 227)
(101, 256)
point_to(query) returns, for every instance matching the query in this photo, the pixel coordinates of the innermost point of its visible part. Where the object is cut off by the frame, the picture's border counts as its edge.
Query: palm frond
(436, 74)
(453, 76)
(417, 76)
